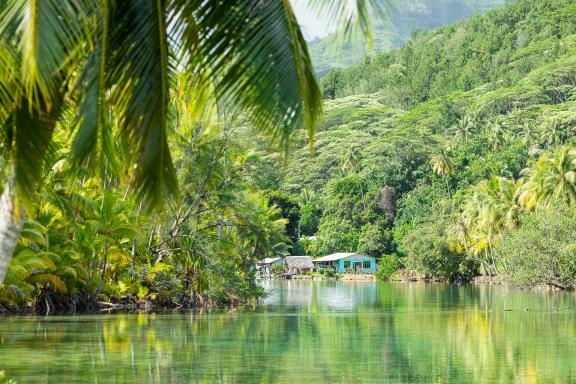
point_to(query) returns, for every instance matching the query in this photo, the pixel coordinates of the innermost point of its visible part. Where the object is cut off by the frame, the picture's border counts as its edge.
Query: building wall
(356, 259)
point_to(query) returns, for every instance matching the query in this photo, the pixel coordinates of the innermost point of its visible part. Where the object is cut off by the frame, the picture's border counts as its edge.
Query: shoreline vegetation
(453, 156)
(133, 304)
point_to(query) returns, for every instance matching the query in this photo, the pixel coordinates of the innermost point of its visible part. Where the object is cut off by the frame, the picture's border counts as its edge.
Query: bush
(427, 251)
(387, 266)
(543, 250)
(327, 272)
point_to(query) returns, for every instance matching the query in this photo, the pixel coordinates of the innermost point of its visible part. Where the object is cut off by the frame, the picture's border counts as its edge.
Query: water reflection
(311, 331)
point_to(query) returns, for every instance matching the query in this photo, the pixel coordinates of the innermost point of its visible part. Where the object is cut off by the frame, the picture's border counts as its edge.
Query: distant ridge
(406, 16)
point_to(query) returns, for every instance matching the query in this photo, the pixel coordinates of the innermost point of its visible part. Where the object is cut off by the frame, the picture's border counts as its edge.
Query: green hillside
(402, 19)
(458, 110)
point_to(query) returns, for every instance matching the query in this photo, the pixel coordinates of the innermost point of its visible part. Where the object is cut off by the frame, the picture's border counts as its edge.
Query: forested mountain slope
(402, 18)
(433, 151)
(498, 49)
(516, 63)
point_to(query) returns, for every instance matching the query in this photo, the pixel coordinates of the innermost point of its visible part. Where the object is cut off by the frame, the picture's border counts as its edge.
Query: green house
(347, 262)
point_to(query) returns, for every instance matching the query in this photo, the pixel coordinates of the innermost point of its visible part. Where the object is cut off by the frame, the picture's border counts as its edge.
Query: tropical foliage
(122, 172)
(447, 144)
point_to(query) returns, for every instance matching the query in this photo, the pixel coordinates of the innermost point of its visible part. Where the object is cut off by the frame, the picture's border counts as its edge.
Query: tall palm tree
(554, 133)
(530, 135)
(352, 159)
(551, 177)
(114, 63)
(465, 128)
(442, 165)
(487, 212)
(497, 134)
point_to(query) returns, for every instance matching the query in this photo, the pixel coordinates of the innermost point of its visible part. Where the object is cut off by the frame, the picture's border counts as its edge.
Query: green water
(311, 332)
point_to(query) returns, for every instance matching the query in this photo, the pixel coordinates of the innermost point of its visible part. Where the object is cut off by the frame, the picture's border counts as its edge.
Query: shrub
(327, 272)
(427, 251)
(387, 266)
(543, 250)
(6, 380)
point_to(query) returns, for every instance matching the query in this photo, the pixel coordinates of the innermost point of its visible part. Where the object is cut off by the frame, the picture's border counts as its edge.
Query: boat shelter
(265, 265)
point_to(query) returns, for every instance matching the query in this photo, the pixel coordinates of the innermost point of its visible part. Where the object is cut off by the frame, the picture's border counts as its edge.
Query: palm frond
(47, 34)
(94, 114)
(16, 273)
(9, 88)
(253, 55)
(50, 281)
(142, 72)
(348, 14)
(32, 129)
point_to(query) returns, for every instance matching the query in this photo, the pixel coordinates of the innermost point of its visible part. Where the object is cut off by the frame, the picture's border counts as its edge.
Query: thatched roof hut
(298, 264)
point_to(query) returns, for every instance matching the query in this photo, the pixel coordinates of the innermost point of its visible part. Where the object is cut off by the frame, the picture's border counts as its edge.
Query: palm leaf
(16, 273)
(50, 281)
(253, 54)
(32, 133)
(127, 232)
(30, 235)
(142, 72)
(94, 116)
(348, 14)
(47, 34)
(9, 90)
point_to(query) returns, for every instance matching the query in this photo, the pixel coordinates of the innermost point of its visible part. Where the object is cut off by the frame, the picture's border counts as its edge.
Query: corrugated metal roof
(335, 256)
(270, 260)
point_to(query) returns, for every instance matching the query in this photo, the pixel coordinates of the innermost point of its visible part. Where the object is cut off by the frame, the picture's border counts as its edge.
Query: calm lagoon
(311, 332)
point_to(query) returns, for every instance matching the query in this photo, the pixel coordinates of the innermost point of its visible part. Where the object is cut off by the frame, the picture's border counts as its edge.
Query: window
(346, 264)
(366, 264)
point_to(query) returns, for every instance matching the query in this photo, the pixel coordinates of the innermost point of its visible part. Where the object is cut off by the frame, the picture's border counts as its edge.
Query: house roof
(299, 262)
(338, 256)
(270, 260)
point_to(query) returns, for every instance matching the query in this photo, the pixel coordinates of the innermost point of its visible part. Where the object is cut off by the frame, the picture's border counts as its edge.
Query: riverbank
(77, 304)
(405, 275)
(505, 281)
(337, 277)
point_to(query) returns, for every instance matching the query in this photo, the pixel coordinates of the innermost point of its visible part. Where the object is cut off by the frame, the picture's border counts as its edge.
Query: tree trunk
(492, 257)
(134, 253)
(448, 187)
(10, 227)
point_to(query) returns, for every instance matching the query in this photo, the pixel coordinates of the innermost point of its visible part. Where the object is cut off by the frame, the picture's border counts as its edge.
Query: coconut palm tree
(113, 63)
(261, 226)
(551, 177)
(352, 159)
(443, 166)
(497, 134)
(530, 135)
(466, 127)
(490, 209)
(554, 133)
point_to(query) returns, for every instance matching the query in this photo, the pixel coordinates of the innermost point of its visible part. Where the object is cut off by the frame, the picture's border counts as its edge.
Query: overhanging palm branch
(122, 57)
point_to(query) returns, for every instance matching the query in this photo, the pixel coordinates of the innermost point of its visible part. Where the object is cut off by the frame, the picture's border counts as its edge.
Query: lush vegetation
(403, 17)
(124, 178)
(454, 149)
(444, 156)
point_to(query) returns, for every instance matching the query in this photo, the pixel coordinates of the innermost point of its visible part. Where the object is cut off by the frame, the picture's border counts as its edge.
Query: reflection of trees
(391, 332)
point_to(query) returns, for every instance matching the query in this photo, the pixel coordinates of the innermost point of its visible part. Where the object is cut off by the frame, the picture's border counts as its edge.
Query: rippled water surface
(311, 332)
